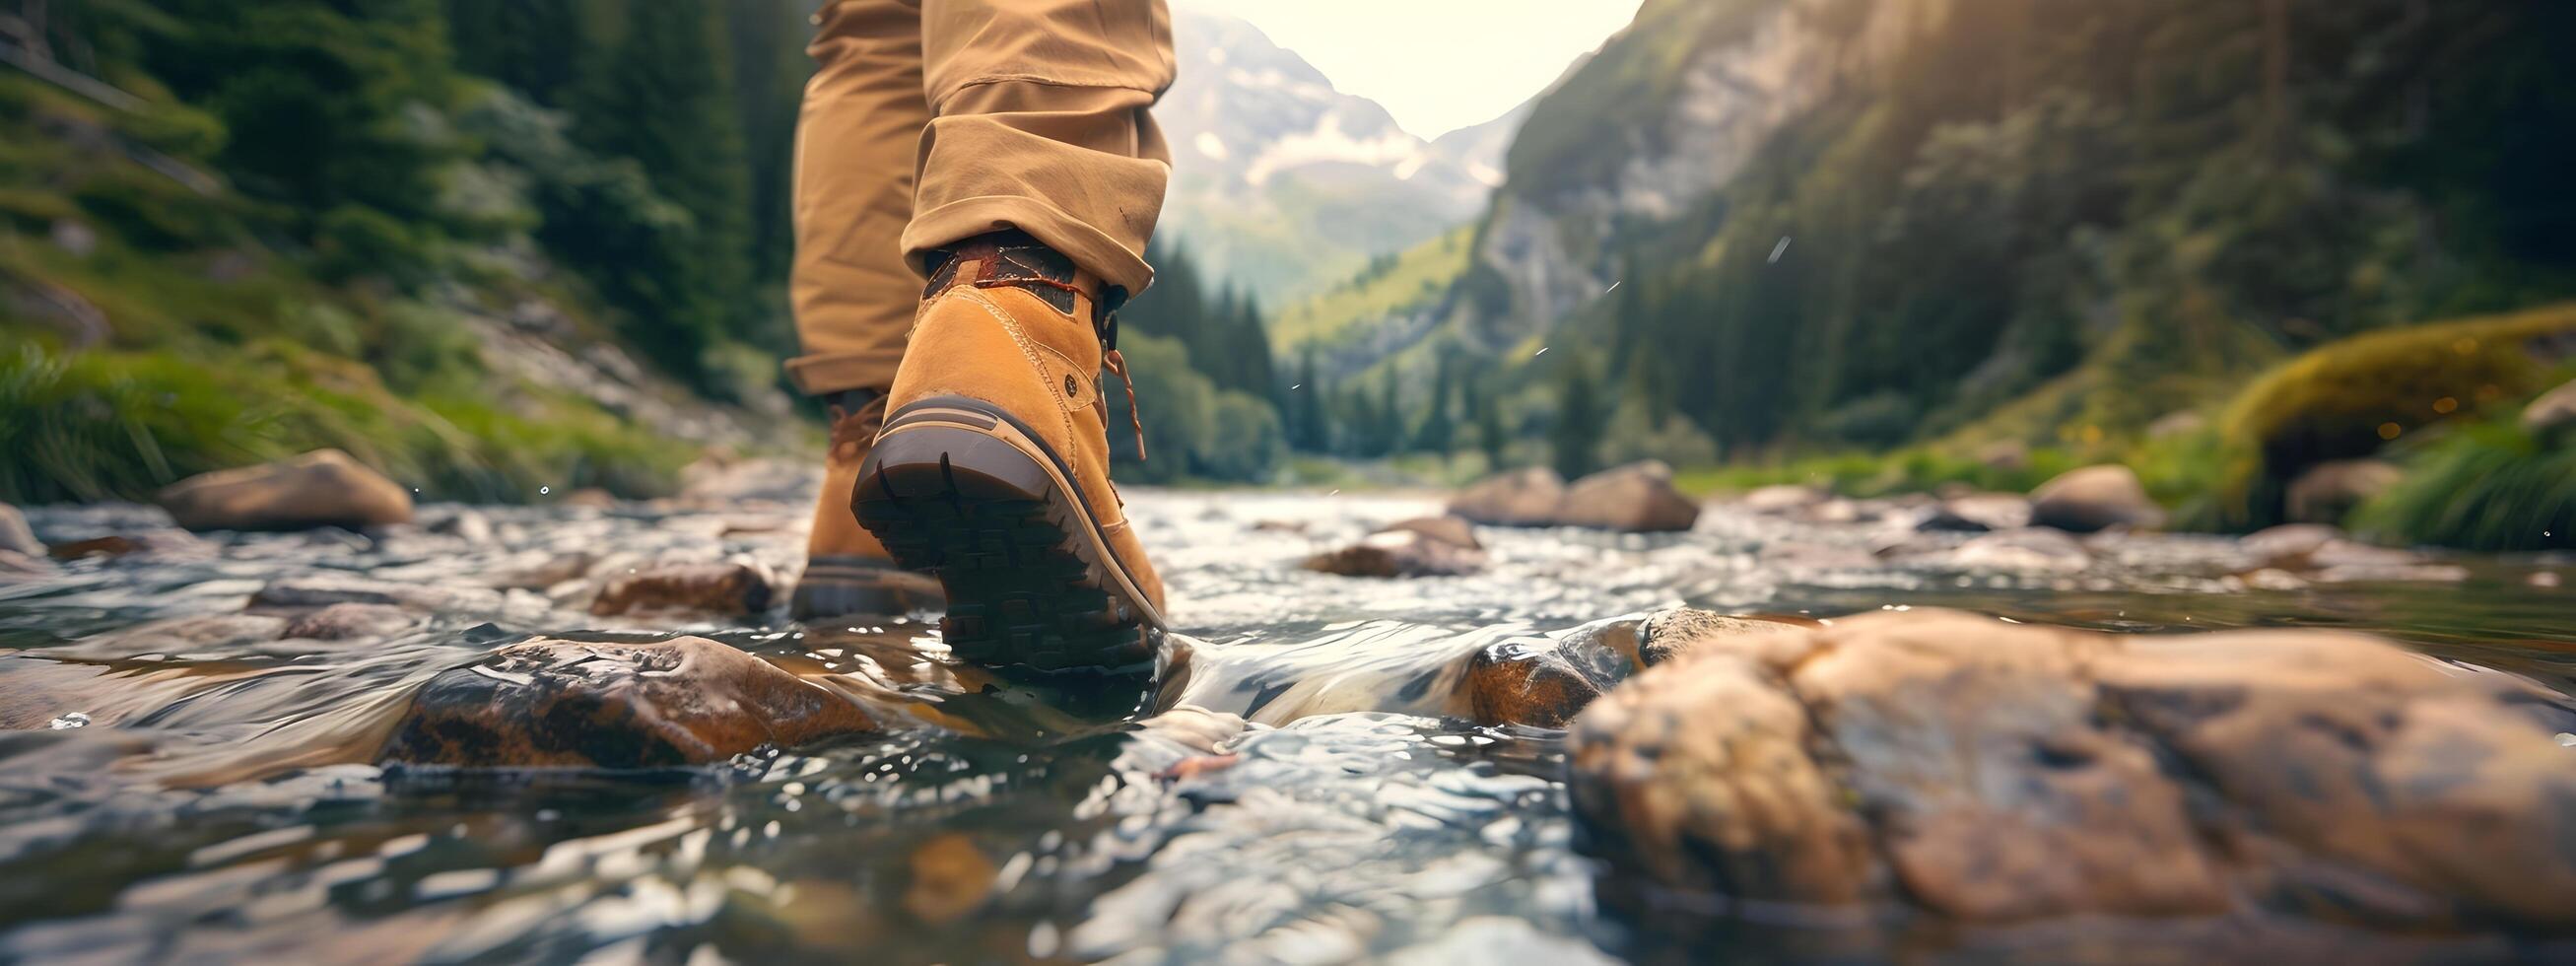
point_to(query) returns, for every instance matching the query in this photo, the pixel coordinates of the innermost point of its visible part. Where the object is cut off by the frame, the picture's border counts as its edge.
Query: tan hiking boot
(847, 572)
(993, 469)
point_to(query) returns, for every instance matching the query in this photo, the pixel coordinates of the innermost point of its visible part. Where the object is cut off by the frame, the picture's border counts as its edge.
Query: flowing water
(203, 790)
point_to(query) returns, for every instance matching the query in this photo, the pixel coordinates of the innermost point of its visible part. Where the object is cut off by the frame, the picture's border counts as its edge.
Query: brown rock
(2327, 492)
(1427, 547)
(591, 497)
(167, 543)
(733, 589)
(1978, 513)
(1520, 498)
(2027, 551)
(15, 535)
(2094, 498)
(554, 703)
(352, 621)
(1455, 531)
(1545, 683)
(950, 878)
(1997, 772)
(2289, 545)
(318, 489)
(1781, 498)
(1636, 498)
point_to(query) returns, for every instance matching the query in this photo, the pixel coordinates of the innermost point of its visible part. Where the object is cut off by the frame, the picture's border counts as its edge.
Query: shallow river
(206, 804)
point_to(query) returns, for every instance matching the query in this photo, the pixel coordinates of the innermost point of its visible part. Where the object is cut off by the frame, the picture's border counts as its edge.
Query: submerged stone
(1426, 547)
(554, 703)
(732, 589)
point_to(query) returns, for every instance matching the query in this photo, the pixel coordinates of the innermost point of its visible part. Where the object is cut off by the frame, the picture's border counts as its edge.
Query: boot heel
(958, 494)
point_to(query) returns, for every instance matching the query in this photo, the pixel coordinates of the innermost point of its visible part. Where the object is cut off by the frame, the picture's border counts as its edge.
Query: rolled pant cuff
(817, 375)
(966, 218)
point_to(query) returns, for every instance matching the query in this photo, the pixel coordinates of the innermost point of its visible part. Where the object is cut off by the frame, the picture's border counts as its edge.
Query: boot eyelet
(1072, 389)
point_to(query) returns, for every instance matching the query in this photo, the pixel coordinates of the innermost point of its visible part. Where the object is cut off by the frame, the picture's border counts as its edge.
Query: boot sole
(957, 488)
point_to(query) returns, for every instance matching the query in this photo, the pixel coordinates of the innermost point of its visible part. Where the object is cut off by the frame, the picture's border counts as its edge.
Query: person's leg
(1041, 176)
(852, 293)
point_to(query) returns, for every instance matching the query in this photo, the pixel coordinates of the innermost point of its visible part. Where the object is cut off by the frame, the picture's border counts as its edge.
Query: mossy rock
(2346, 399)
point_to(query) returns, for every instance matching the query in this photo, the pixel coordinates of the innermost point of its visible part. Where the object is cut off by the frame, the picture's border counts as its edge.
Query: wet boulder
(1520, 498)
(739, 588)
(1990, 772)
(1544, 683)
(16, 536)
(1427, 547)
(553, 703)
(2328, 492)
(1636, 498)
(323, 488)
(2095, 498)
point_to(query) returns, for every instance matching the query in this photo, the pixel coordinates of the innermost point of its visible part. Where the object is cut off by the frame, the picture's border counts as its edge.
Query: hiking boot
(847, 572)
(993, 469)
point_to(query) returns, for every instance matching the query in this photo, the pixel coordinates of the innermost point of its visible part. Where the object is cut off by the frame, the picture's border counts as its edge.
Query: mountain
(1862, 223)
(1282, 184)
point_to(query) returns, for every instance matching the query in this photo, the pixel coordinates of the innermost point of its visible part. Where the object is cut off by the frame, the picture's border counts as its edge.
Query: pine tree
(1580, 418)
(662, 94)
(1313, 428)
(532, 46)
(1438, 434)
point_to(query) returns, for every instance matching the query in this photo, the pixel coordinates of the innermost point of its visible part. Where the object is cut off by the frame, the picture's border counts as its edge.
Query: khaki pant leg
(856, 145)
(1039, 122)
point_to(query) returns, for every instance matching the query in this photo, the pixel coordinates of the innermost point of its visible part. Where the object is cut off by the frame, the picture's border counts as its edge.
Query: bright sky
(1437, 65)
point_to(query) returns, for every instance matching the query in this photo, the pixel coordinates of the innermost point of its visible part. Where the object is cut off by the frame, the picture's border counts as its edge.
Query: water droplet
(1542, 350)
(69, 721)
(542, 490)
(2566, 740)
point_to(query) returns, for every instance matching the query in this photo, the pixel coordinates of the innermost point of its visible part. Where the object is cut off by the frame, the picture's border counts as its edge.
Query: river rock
(352, 621)
(15, 535)
(1544, 683)
(2290, 545)
(1520, 498)
(313, 592)
(2029, 550)
(1991, 772)
(15, 566)
(2327, 492)
(739, 588)
(162, 543)
(1427, 547)
(1781, 498)
(1977, 513)
(323, 488)
(1636, 498)
(2095, 498)
(553, 703)
(2554, 411)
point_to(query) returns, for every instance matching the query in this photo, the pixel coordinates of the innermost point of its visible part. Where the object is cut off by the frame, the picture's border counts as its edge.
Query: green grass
(1419, 275)
(2482, 486)
(120, 425)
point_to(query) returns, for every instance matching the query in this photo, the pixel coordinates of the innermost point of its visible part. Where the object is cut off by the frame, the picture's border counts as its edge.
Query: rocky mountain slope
(1859, 223)
(1282, 184)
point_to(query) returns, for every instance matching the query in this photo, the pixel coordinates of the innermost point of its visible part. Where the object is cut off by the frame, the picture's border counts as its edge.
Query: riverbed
(192, 794)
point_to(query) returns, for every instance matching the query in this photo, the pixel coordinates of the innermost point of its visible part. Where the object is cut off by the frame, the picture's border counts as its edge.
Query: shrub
(2348, 398)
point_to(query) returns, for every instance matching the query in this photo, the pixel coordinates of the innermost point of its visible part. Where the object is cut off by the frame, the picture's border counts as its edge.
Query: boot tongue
(1014, 259)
